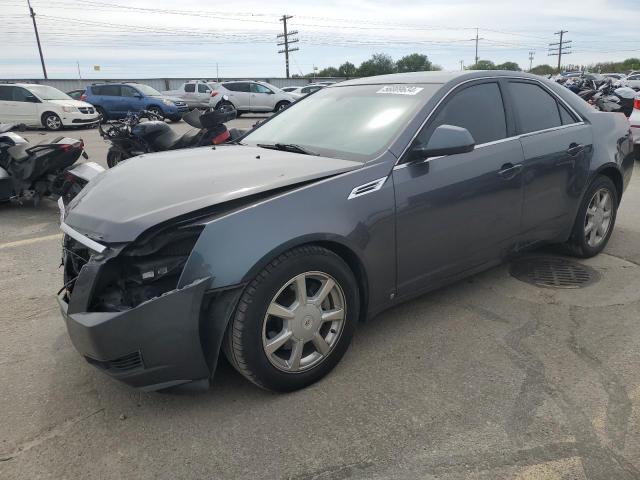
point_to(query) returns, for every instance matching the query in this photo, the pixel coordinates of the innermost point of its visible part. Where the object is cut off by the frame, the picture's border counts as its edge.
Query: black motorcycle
(132, 136)
(30, 172)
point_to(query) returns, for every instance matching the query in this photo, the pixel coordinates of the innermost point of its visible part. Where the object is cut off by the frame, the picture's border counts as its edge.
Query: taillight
(636, 103)
(65, 147)
(214, 93)
(223, 137)
(83, 97)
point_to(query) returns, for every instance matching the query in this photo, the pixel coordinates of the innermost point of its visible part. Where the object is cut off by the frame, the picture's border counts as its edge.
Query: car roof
(440, 77)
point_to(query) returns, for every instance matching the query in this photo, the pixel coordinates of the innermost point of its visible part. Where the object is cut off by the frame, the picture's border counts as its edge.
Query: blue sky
(143, 38)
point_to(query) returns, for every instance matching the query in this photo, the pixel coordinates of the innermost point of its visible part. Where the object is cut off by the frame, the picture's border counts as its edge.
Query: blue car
(116, 100)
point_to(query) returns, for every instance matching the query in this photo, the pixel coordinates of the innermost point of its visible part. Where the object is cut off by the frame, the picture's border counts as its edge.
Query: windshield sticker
(400, 89)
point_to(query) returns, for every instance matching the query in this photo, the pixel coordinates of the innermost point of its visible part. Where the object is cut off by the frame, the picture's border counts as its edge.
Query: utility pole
(461, 65)
(78, 64)
(477, 40)
(35, 27)
(560, 48)
(287, 40)
(531, 55)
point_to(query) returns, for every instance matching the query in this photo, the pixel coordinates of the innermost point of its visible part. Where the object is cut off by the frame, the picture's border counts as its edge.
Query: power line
(287, 38)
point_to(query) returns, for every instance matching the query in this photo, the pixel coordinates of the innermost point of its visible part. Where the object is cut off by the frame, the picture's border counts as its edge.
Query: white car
(632, 81)
(43, 106)
(250, 96)
(634, 120)
(300, 92)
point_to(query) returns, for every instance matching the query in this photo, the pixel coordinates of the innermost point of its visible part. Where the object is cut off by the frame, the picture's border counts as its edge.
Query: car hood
(121, 203)
(70, 103)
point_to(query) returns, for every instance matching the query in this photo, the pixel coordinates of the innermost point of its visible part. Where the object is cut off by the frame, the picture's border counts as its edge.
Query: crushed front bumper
(153, 346)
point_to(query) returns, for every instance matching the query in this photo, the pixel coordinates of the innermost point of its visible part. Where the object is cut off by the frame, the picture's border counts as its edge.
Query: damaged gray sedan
(363, 195)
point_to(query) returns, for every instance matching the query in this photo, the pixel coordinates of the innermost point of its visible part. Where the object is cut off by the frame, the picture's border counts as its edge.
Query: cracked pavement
(489, 378)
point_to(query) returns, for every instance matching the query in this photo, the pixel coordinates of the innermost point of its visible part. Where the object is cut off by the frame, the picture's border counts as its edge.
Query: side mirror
(138, 95)
(445, 140)
(32, 99)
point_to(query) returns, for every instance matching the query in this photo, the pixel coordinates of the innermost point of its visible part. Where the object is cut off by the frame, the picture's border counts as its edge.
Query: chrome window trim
(446, 95)
(496, 142)
(86, 241)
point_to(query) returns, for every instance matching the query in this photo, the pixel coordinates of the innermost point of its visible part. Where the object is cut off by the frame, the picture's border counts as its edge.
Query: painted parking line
(30, 241)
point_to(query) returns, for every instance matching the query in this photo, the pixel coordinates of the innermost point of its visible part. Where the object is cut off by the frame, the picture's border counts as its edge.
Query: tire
(51, 121)
(114, 157)
(251, 328)
(583, 244)
(104, 114)
(157, 111)
(281, 105)
(224, 104)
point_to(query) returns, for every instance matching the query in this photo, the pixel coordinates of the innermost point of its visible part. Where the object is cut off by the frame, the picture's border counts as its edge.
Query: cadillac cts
(358, 197)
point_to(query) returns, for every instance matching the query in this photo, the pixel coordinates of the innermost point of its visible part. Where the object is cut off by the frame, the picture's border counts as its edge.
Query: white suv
(248, 96)
(41, 105)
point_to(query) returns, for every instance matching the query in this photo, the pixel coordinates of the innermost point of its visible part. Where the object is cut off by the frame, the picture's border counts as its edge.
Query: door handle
(574, 149)
(509, 170)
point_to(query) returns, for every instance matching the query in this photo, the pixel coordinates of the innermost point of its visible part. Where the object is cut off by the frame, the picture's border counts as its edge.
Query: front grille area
(125, 363)
(88, 110)
(74, 257)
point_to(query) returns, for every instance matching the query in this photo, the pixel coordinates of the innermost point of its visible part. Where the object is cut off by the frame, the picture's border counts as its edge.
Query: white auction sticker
(400, 89)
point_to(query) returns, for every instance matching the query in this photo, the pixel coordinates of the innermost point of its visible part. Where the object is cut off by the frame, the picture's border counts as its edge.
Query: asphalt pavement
(489, 378)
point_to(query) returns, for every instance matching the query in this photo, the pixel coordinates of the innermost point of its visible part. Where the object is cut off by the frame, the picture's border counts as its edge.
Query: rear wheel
(295, 320)
(596, 218)
(51, 121)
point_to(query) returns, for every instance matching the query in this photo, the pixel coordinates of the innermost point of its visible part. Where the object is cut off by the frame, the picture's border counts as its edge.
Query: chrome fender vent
(367, 188)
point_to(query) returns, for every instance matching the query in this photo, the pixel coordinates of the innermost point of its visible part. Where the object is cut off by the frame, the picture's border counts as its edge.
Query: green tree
(329, 72)
(416, 62)
(512, 66)
(347, 69)
(482, 65)
(543, 70)
(378, 64)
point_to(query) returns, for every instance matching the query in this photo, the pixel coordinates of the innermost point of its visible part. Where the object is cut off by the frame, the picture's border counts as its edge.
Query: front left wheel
(295, 320)
(51, 121)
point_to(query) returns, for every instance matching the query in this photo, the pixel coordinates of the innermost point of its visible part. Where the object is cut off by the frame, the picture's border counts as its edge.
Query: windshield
(45, 92)
(352, 122)
(147, 90)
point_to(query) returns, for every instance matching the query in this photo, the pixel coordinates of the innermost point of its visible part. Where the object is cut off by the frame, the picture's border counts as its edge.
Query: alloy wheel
(598, 218)
(303, 322)
(53, 122)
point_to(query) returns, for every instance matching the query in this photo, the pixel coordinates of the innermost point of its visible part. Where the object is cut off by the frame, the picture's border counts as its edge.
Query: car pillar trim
(86, 241)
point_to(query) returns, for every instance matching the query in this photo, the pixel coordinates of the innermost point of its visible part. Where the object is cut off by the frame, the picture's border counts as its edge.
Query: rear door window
(535, 108)
(6, 93)
(107, 90)
(478, 108)
(237, 86)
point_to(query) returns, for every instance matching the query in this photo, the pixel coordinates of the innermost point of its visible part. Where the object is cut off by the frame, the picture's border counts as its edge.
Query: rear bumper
(152, 346)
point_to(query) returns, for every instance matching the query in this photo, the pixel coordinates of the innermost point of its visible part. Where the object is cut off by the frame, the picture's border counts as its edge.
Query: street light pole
(35, 27)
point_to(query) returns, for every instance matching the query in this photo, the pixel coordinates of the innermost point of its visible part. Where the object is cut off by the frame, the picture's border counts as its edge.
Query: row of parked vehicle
(36, 105)
(614, 93)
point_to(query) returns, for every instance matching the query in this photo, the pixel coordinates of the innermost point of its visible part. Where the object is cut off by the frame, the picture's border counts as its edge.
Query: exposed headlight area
(167, 102)
(69, 109)
(141, 271)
